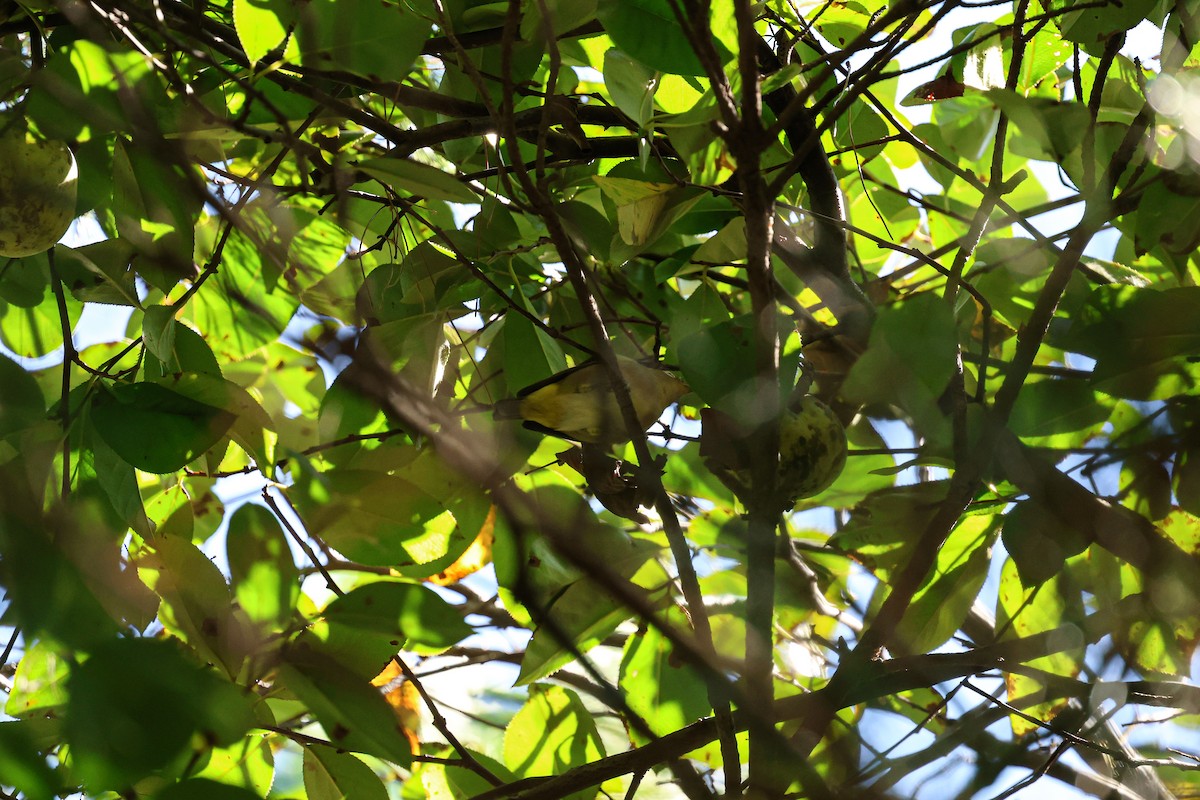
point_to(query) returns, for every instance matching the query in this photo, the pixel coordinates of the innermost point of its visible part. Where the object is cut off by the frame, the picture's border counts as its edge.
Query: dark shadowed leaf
(352, 711)
(125, 414)
(134, 706)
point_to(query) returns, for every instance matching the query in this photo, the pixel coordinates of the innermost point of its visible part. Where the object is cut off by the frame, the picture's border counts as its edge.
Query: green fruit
(812, 449)
(38, 185)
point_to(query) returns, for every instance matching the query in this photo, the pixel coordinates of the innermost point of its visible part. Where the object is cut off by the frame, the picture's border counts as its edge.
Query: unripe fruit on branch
(38, 186)
(812, 451)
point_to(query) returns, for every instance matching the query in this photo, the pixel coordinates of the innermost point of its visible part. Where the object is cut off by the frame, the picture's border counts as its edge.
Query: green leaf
(158, 331)
(333, 775)
(530, 354)
(30, 323)
(247, 763)
(156, 209)
(659, 686)
(1025, 611)
(371, 517)
(718, 364)
(1047, 408)
(363, 652)
(22, 766)
(1183, 529)
(135, 705)
(189, 353)
(345, 411)
(26, 282)
(23, 404)
(39, 685)
(1146, 486)
(466, 782)
(640, 206)
(49, 593)
(560, 16)
(1044, 54)
(1093, 25)
(197, 604)
(646, 202)
(266, 581)
(1039, 542)
(909, 361)
(1167, 218)
(858, 127)
(205, 789)
(877, 531)
(352, 711)
(82, 91)
(1186, 480)
(631, 84)
(407, 611)
(183, 428)
(583, 614)
(99, 272)
(316, 245)
(843, 23)
(189, 511)
(531, 564)
(967, 124)
(983, 65)
(421, 283)
(235, 308)
(939, 607)
(418, 179)
(118, 480)
(864, 474)
(365, 37)
(1050, 130)
(649, 31)
(262, 25)
(251, 425)
(1159, 643)
(552, 733)
(1144, 340)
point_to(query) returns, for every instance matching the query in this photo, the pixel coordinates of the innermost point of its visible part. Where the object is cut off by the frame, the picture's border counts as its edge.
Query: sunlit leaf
(331, 775)
(265, 579)
(551, 733)
(649, 31)
(1024, 611)
(663, 688)
(405, 610)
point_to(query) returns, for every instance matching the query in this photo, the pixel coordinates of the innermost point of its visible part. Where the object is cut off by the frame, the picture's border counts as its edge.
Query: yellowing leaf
(474, 558)
(402, 695)
(640, 205)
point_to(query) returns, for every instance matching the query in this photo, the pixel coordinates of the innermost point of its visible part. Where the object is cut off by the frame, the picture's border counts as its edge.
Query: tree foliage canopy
(335, 234)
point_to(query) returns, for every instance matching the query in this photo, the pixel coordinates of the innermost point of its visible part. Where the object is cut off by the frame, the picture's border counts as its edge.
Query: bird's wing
(559, 377)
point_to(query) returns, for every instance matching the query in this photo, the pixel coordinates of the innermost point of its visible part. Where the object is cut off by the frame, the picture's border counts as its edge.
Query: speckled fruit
(37, 194)
(812, 449)
(812, 452)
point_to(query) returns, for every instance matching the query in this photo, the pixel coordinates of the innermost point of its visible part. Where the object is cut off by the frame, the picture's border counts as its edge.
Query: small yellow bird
(580, 403)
